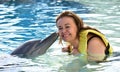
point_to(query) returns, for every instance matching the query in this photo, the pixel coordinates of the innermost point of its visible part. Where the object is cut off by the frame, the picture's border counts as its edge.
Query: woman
(82, 38)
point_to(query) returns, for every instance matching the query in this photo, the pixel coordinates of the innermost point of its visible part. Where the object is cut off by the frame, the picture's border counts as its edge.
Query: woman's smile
(66, 36)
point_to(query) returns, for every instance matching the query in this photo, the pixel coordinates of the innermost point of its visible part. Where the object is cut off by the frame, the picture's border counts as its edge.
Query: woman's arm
(96, 49)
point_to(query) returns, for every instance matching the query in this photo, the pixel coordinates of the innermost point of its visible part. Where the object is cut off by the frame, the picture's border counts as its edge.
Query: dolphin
(34, 48)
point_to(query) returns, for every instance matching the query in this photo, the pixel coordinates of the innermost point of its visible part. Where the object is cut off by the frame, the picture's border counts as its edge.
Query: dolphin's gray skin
(35, 48)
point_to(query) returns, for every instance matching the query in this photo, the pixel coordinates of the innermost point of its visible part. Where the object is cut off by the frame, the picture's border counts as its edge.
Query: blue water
(21, 21)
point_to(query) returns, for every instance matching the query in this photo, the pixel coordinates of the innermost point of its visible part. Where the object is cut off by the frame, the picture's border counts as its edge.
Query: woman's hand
(75, 51)
(65, 49)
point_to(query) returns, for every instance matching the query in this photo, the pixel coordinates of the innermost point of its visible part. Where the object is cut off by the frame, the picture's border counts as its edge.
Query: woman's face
(67, 29)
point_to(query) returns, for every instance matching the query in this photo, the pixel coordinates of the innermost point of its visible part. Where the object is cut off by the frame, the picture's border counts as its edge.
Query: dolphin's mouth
(35, 48)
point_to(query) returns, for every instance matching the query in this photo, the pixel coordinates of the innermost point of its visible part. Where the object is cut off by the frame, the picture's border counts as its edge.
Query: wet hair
(78, 21)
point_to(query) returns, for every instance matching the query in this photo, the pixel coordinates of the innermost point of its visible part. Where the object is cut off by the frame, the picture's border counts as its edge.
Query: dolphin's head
(36, 47)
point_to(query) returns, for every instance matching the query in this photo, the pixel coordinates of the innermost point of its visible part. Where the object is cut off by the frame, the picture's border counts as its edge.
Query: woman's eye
(67, 26)
(60, 28)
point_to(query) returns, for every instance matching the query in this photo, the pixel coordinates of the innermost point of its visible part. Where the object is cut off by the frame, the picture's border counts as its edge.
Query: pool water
(21, 21)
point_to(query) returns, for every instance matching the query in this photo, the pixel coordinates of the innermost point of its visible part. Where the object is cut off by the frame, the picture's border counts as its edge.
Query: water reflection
(21, 21)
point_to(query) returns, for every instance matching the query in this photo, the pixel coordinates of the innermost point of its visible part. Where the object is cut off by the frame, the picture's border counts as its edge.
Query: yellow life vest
(83, 41)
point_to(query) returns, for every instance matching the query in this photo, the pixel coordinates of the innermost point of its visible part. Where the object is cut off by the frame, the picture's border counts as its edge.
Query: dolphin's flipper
(35, 48)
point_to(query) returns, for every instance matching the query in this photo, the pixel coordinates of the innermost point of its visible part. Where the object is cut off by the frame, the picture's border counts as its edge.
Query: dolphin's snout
(35, 47)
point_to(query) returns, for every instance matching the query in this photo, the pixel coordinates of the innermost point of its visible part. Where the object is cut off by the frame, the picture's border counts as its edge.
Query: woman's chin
(65, 39)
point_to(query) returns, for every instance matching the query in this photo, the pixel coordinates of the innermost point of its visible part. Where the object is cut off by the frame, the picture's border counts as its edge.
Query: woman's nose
(64, 30)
